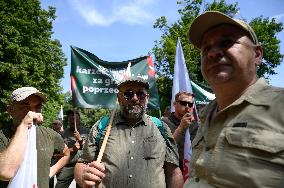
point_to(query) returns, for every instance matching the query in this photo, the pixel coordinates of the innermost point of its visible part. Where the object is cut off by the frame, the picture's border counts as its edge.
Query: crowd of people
(236, 143)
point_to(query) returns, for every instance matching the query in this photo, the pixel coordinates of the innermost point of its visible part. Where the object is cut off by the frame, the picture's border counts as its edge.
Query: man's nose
(135, 97)
(214, 52)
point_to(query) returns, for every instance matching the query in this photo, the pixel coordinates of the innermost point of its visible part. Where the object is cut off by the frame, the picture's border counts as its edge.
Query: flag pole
(74, 115)
(100, 156)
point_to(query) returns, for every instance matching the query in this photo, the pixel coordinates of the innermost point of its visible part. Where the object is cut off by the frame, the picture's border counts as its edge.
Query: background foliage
(28, 54)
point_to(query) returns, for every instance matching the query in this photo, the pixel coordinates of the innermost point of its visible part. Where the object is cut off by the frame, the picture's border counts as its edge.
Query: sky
(120, 30)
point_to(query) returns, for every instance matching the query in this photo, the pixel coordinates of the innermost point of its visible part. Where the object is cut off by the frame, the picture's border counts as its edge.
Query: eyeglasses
(186, 103)
(128, 95)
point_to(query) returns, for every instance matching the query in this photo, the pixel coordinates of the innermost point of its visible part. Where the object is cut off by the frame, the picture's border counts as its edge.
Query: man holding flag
(25, 109)
(137, 154)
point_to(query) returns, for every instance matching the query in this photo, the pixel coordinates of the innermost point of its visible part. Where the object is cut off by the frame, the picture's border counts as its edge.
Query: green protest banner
(94, 81)
(202, 94)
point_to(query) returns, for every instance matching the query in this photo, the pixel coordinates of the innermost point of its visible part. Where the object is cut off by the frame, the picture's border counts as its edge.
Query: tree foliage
(28, 54)
(88, 117)
(164, 49)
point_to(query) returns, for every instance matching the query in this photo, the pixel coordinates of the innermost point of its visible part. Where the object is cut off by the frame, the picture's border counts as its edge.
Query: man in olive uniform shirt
(25, 108)
(239, 142)
(136, 154)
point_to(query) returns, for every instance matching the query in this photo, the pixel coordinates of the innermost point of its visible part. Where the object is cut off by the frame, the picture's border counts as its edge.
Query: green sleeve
(3, 141)
(172, 155)
(58, 142)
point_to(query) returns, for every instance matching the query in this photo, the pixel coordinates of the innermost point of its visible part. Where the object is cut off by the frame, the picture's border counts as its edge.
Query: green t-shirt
(48, 141)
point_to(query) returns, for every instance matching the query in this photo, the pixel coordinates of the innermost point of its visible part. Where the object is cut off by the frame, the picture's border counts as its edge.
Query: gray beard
(132, 111)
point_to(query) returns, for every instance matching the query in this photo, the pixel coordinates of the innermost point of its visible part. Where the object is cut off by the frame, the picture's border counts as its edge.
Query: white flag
(181, 82)
(26, 176)
(60, 114)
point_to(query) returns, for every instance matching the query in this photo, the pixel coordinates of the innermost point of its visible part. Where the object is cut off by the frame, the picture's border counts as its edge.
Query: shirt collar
(255, 94)
(121, 120)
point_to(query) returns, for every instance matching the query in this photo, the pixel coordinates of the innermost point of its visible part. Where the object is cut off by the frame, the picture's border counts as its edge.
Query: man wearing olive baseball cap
(241, 133)
(25, 108)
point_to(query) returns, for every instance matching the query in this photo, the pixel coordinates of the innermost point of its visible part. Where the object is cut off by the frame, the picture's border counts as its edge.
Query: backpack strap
(159, 124)
(101, 127)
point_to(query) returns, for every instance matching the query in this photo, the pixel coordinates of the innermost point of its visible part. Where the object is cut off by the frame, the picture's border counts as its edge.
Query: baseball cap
(209, 19)
(133, 79)
(24, 92)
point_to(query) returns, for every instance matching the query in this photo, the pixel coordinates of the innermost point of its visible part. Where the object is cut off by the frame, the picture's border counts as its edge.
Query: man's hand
(77, 135)
(93, 174)
(30, 118)
(186, 120)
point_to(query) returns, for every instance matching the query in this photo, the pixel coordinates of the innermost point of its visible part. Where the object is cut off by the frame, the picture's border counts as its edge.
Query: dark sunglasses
(128, 95)
(186, 103)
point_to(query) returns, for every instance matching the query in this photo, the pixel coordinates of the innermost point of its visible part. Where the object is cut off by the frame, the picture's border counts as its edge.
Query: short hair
(69, 112)
(183, 93)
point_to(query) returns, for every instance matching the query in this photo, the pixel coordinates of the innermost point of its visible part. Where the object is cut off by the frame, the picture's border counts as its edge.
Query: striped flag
(181, 82)
(26, 176)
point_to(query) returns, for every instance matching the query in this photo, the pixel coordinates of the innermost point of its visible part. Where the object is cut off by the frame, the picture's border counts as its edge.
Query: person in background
(58, 126)
(74, 138)
(25, 108)
(181, 119)
(167, 111)
(239, 142)
(136, 153)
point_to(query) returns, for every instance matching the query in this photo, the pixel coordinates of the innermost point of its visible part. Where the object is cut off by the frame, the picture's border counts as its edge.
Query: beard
(133, 111)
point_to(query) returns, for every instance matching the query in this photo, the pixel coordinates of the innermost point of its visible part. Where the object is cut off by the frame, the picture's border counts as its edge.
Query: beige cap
(24, 92)
(209, 19)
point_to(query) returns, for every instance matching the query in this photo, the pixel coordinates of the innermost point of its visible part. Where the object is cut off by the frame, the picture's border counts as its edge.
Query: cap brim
(204, 22)
(41, 95)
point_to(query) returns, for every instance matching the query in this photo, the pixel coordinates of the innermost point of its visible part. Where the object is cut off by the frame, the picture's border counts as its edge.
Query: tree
(88, 117)
(164, 50)
(28, 54)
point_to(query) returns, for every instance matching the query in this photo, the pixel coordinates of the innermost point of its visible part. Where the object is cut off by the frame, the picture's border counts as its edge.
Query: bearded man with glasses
(136, 155)
(181, 119)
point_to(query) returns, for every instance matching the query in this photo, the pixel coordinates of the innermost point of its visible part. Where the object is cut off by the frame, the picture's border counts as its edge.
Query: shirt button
(132, 141)
(196, 179)
(130, 176)
(131, 157)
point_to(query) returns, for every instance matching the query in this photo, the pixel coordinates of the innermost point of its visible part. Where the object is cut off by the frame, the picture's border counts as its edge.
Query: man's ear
(258, 54)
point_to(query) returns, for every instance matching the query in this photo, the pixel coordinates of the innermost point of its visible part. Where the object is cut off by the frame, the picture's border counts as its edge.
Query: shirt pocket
(150, 146)
(264, 140)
